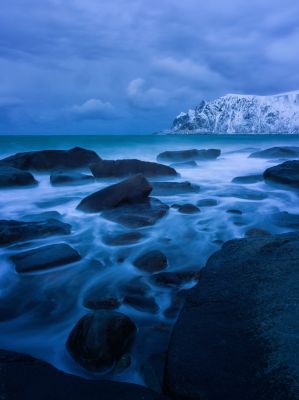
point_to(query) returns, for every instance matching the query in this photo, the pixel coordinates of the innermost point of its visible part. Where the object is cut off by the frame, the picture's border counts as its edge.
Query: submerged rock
(173, 188)
(122, 168)
(243, 193)
(188, 209)
(207, 203)
(70, 178)
(43, 216)
(46, 160)
(237, 335)
(142, 303)
(248, 179)
(277, 152)
(12, 231)
(286, 173)
(234, 211)
(96, 302)
(285, 219)
(100, 339)
(137, 215)
(153, 261)
(13, 177)
(45, 257)
(130, 190)
(175, 279)
(123, 239)
(186, 164)
(189, 155)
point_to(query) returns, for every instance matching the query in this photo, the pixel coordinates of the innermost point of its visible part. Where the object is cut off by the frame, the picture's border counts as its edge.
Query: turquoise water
(38, 312)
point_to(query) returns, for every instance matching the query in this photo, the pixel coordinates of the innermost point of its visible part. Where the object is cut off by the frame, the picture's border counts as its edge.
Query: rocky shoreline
(237, 333)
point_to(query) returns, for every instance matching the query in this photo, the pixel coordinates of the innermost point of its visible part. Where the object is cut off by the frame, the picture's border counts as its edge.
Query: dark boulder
(14, 231)
(46, 160)
(188, 209)
(122, 168)
(237, 335)
(277, 152)
(153, 261)
(45, 257)
(137, 215)
(286, 173)
(13, 177)
(100, 339)
(207, 203)
(173, 188)
(247, 179)
(142, 303)
(189, 155)
(123, 239)
(70, 178)
(130, 190)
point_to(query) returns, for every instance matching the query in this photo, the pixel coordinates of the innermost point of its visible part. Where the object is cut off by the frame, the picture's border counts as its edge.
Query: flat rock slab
(277, 152)
(237, 335)
(24, 378)
(122, 168)
(189, 155)
(70, 178)
(47, 160)
(286, 173)
(173, 188)
(138, 215)
(45, 257)
(12, 231)
(133, 189)
(13, 177)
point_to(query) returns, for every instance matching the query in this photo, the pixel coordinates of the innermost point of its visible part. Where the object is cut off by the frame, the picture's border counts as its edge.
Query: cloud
(93, 109)
(142, 96)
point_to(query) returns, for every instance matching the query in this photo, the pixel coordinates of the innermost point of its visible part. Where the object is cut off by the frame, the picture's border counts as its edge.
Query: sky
(130, 66)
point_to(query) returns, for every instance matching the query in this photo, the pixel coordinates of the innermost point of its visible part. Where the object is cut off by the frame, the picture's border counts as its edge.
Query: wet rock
(253, 232)
(142, 303)
(43, 216)
(95, 302)
(286, 173)
(173, 188)
(122, 168)
(136, 286)
(12, 231)
(153, 261)
(45, 257)
(186, 164)
(123, 239)
(70, 178)
(137, 215)
(175, 278)
(285, 219)
(100, 339)
(243, 193)
(277, 152)
(38, 380)
(188, 209)
(207, 203)
(13, 177)
(234, 211)
(189, 155)
(248, 179)
(130, 190)
(240, 325)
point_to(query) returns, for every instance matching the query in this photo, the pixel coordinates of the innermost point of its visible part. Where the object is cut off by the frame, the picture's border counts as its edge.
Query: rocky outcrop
(70, 178)
(99, 339)
(277, 152)
(236, 337)
(122, 168)
(286, 173)
(12, 231)
(13, 177)
(130, 190)
(47, 160)
(45, 257)
(189, 155)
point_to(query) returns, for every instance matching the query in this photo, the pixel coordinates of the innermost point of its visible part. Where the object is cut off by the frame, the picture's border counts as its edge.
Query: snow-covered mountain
(234, 113)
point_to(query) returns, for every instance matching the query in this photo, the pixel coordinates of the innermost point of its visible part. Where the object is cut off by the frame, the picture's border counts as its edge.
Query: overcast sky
(130, 66)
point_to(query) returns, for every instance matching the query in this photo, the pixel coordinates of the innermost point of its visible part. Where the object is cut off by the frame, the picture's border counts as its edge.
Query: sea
(38, 310)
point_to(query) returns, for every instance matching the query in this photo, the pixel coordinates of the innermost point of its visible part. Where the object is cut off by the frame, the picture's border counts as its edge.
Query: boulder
(133, 189)
(173, 188)
(100, 339)
(189, 155)
(188, 209)
(207, 203)
(70, 178)
(47, 160)
(234, 211)
(142, 303)
(286, 173)
(12, 231)
(123, 239)
(152, 261)
(45, 257)
(13, 177)
(137, 215)
(245, 180)
(277, 152)
(237, 335)
(122, 168)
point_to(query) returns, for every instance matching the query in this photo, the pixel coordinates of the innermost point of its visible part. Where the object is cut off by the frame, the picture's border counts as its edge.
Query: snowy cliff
(234, 113)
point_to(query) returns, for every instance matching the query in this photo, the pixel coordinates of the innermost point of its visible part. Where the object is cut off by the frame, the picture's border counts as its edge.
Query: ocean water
(38, 311)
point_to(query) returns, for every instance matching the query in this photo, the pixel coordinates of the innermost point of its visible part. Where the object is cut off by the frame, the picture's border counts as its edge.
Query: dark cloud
(144, 61)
